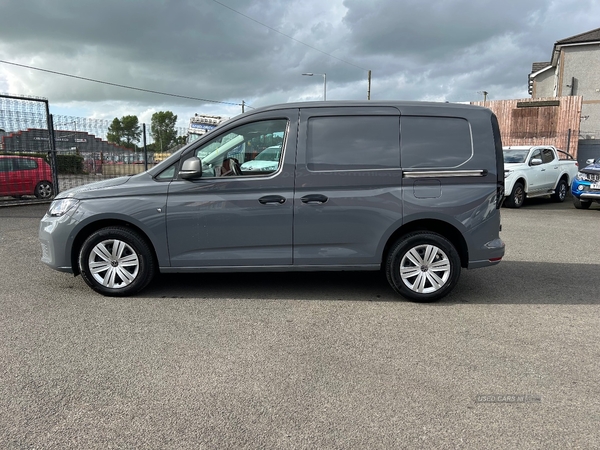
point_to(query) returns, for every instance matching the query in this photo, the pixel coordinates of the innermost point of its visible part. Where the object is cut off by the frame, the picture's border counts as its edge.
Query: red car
(25, 175)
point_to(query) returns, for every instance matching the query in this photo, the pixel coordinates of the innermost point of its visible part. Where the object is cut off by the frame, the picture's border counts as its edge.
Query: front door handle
(267, 199)
(314, 198)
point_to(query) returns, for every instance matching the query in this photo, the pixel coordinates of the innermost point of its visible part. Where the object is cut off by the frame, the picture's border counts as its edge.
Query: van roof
(368, 103)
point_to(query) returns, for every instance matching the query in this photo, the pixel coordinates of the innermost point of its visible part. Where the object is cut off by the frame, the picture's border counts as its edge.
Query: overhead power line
(287, 36)
(120, 85)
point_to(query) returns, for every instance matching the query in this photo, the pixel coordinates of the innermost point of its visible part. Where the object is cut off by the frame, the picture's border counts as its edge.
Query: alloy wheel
(113, 263)
(425, 269)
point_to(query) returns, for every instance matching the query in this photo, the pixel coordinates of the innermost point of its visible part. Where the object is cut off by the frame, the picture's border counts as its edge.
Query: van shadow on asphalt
(510, 282)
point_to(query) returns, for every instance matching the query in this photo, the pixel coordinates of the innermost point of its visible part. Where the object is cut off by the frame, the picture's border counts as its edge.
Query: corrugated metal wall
(541, 121)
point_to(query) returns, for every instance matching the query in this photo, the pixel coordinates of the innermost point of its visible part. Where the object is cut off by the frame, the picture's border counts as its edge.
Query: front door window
(250, 150)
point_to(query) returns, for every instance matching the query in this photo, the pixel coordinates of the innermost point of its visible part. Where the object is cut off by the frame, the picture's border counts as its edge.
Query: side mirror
(535, 162)
(191, 168)
(591, 161)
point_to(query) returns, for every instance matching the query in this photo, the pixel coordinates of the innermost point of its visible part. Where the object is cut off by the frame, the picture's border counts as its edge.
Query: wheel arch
(440, 227)
(523, 181)
(92, 227)
(564, 176)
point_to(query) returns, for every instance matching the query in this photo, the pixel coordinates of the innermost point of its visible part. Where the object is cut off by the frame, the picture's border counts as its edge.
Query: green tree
(131, 131)
(115, 132)
(125, 131)
(163, 130)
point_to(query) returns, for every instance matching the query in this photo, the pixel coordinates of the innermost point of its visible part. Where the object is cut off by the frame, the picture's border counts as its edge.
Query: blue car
(586, 185)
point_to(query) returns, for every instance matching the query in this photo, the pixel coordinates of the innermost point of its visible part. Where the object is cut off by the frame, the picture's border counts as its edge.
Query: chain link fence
(43, 154)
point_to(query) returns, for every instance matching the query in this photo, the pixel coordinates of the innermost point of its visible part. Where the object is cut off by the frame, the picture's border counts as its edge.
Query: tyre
(516, 197)
(116, 261)
(423, 266)
(44, 190)
(581, 204)
(561, 191)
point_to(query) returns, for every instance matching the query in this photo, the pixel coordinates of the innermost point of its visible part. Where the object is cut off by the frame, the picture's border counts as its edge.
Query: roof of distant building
(588, 36)
(537, 66)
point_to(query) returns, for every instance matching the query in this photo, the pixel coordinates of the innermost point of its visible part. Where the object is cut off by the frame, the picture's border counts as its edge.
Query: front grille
(594, 177)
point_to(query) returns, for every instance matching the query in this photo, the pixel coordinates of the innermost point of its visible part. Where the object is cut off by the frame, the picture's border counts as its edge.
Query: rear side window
(5, 164)
(26, 164)
(435, 142)
(353, 143)
(547, 156)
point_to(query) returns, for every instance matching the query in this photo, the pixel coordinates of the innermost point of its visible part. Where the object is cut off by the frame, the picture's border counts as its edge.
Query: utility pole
(243, 103)
(369, 89)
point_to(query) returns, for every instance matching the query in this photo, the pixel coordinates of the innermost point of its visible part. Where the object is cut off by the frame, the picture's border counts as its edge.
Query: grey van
(411, 188)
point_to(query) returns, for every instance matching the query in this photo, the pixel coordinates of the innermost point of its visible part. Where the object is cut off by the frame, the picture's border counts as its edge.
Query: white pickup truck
(535, 171)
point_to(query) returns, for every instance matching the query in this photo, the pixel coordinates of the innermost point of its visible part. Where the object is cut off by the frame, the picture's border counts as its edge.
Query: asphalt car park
(509, 359)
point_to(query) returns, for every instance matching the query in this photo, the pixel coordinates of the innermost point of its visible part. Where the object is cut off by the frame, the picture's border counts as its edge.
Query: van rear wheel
(423, 266)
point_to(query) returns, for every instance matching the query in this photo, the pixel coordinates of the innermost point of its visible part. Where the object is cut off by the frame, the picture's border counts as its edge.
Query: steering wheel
(234, 167)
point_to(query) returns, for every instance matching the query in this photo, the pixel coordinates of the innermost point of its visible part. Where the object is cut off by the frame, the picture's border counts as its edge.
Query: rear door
(348, 185)
(29, 173)
(551, 168)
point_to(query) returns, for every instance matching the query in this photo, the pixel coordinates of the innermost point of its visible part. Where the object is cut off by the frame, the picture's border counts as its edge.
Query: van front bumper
(55, 239)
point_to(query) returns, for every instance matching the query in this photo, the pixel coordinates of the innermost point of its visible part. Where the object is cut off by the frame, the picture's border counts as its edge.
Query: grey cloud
(417, 50)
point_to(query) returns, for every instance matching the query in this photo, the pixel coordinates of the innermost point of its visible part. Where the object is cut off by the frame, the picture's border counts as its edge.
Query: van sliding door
(348, 185)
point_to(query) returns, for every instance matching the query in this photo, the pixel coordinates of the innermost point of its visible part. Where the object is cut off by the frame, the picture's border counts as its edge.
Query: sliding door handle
(314, 198)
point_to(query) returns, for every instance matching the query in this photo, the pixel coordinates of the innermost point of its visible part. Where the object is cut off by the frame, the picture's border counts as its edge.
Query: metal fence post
(53, 159)
(145, 148)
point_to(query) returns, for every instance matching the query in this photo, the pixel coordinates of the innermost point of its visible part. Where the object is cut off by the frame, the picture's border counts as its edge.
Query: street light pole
(324, 82)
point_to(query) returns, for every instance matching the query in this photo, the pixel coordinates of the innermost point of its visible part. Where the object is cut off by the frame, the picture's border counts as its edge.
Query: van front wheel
(116, 261)
(423, 266)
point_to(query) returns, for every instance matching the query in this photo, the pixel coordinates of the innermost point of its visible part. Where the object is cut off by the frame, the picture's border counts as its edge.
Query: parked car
(344, 194)
(586, 185)
(25, 175)
(266, 161)
(536, 171)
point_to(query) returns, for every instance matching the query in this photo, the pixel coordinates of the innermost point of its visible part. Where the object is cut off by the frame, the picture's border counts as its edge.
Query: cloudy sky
(229, 51)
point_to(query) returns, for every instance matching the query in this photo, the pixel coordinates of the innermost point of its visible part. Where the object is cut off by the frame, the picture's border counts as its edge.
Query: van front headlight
(61, 207)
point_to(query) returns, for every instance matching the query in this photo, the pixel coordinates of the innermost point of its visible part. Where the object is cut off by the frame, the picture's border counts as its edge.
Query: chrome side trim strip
(445, 173)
